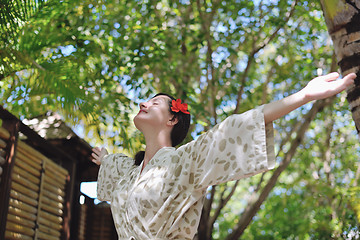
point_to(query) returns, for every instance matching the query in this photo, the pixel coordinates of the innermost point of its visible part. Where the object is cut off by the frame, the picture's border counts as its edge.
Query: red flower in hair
(177, 106)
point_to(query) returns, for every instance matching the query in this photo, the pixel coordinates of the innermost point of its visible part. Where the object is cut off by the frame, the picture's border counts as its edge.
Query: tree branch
(223, 202)
(205, 215)
(255, 50)
(242, 82)
(273, 35)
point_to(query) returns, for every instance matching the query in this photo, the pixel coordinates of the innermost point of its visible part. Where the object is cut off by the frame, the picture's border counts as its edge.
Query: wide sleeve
(238, 147)
(112, 168)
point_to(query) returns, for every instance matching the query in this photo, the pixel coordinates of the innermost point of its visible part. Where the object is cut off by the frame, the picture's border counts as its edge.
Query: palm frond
(14, 14)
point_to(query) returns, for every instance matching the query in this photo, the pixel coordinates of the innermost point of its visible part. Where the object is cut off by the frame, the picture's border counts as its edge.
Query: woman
(161, 195)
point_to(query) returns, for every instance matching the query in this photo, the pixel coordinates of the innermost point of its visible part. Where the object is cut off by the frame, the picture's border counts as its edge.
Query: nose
(143, 105)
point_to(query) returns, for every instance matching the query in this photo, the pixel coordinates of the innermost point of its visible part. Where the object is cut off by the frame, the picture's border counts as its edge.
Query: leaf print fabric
(166, 199)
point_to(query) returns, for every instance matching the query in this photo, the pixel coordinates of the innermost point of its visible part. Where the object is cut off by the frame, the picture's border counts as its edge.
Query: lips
(142, 110)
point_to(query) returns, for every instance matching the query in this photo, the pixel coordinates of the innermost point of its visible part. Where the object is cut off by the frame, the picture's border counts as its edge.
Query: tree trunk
(343, 21)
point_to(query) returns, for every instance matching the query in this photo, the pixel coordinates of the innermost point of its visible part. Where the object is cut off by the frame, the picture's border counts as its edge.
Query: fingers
(330, 77)
(95, 153)
(334, 75)
(98, 154)
(96, 162)
(96, 150)
(341, 84)
(349, 79)
(337, 86)
(95, 156)
(345, 82)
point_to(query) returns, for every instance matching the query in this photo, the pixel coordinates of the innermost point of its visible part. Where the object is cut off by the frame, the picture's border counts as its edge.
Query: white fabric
(166, 200)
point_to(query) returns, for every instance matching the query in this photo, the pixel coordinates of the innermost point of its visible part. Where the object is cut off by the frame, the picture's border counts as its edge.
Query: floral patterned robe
(166, 199)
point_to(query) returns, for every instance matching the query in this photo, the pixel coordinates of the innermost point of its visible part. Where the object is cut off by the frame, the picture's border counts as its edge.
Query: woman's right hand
(98, 155)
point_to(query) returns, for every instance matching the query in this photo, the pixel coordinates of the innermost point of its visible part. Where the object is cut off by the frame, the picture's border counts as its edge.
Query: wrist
(304, 97)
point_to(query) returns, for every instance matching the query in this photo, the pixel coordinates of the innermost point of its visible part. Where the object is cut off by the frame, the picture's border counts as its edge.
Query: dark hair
(178, 132)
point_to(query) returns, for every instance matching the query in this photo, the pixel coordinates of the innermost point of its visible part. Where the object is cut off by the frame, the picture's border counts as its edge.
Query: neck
(154, 142)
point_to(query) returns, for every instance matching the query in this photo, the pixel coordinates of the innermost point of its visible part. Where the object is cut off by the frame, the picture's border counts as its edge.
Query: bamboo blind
(82, 222)
(37, 196)
(4, 135)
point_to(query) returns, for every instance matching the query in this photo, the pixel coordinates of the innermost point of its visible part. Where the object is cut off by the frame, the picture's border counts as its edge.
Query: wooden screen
(37, 196)
(4, 136)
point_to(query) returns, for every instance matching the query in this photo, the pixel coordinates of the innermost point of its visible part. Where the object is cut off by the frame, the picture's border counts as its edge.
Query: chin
(138, 122)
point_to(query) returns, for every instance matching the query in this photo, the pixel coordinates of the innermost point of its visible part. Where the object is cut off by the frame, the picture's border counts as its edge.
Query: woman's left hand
(318, 88)
(326, 86)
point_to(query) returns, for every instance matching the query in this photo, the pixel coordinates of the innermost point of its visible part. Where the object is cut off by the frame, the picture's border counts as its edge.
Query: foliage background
(93, 62)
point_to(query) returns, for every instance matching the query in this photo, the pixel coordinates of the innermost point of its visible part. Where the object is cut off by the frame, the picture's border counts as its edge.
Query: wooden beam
(12, 126)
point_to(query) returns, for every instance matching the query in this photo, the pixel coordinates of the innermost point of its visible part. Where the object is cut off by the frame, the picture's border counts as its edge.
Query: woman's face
(154, 113)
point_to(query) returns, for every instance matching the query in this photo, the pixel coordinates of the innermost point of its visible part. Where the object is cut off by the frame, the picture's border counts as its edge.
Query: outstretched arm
(318, 88)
